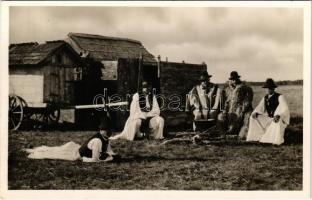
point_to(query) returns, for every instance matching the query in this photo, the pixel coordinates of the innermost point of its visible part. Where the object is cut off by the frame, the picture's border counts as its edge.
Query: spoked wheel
(43, 117)
(16, 112)
(52, 115)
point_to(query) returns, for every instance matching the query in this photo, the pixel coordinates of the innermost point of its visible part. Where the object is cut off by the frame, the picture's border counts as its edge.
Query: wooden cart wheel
(52, 115)
(16, 112)
(27, 114)
(44, 117)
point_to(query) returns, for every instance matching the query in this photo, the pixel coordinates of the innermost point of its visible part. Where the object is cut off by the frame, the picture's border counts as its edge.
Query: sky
(257, 42)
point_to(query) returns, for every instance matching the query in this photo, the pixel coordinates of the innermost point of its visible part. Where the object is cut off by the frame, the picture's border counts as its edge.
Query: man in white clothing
(144, 116)
(269, 119)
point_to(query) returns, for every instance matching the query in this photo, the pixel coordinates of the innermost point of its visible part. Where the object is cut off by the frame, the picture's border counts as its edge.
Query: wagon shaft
(100, 105)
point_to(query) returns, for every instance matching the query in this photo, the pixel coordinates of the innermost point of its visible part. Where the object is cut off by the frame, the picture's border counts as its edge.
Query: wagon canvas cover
(30, 87)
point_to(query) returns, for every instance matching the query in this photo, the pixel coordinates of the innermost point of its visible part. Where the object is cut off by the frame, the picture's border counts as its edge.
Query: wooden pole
(158, 66)
(140, 71)
(124, 103)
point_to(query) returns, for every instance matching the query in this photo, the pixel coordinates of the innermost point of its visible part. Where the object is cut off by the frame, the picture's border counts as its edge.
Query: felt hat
(234, 75)
(204, 76)
(269, 83)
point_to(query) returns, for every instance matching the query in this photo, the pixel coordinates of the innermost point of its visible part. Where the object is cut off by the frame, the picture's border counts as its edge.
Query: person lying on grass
(96, 149)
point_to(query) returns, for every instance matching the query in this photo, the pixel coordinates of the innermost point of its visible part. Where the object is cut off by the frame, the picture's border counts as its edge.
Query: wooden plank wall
(178, 79)
(59, 77)
(52, 84)
(126, 84)
(175, 78)
(127, 76)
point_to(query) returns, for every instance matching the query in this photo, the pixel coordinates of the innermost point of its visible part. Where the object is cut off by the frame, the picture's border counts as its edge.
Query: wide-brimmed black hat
(234, 75)
(204, 76)
(269, 83)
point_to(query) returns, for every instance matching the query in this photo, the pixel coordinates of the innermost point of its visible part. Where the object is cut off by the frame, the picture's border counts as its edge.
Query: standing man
(270, 118)
(204, 100)
(238, 107)
(144, 116)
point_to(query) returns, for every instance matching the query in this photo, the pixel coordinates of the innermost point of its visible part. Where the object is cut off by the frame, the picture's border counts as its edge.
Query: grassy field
(146, 164)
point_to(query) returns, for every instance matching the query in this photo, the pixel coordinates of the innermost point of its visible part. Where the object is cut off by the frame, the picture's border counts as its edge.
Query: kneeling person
(270, 118)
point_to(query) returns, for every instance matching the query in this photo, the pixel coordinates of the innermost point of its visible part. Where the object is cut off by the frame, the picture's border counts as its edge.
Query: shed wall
(59, 73)
(177, 79)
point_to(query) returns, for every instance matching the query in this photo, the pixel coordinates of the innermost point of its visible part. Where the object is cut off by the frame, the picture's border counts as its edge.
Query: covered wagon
(41, 78)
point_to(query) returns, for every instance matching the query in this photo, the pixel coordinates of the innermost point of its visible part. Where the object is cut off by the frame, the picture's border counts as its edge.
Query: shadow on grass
(294, 132)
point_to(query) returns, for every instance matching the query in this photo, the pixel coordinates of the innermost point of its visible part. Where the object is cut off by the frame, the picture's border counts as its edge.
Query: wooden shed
(102, 53)
(43, 73)
(41, 82)
(110, 63)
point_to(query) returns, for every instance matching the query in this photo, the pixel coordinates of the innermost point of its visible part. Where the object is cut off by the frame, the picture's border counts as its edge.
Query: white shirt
(96, 146)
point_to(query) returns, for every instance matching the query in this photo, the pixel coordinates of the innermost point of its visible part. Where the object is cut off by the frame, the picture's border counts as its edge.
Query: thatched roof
(33, 53)
(103, 48)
